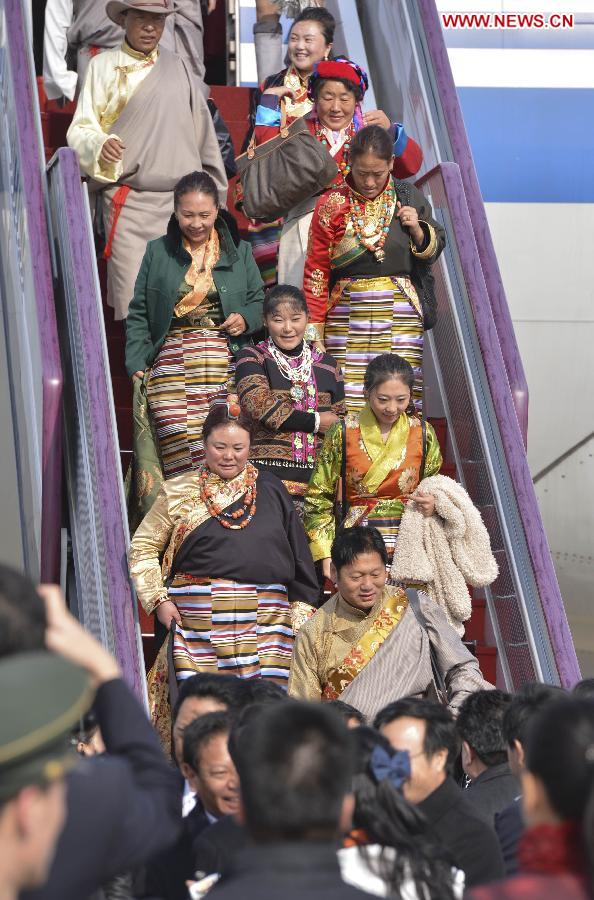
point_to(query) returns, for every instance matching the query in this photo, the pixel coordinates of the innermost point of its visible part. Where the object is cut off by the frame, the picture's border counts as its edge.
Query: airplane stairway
(474, 385)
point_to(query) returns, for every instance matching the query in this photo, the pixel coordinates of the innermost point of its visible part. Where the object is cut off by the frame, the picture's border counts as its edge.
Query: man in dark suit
(517, 719)
(215, 847)
(427, 731)
(211, 775)
(295, 764)
(121, 807)
(484, 754)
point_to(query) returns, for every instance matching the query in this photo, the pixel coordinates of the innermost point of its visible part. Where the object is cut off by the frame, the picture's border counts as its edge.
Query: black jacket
(286, 872)
(509, 826)
(166, 873)
(121, 807)
(454, 825)
(215, 847)
(492, 791)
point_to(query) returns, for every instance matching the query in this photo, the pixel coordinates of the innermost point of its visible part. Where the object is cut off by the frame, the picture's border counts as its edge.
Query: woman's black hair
(219, 415)
(195, 183)
(283, 293)
(560, 752)
(390, 821)
(372, 139)
(324, 19)
(386, 366)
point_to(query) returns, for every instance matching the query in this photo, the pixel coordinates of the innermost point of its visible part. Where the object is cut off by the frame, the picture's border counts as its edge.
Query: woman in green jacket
(197, 298)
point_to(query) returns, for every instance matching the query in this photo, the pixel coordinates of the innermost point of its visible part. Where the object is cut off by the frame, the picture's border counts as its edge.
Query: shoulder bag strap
(173, 685)
(343, 465)
(424, 450)
(440, 685)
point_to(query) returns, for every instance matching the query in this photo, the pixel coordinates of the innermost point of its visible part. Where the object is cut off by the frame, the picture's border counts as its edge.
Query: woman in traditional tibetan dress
(198, 297)
(310, 41)
(337, 87)
(237, 574)
(389, 450)
(293, 392)
(372, 241)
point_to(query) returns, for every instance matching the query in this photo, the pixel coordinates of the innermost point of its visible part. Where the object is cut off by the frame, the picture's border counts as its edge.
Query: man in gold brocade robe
(373, 643)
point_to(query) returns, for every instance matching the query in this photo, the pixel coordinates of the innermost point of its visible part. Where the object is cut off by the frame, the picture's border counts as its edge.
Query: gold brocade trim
(407, 288)
(295, 488)
(300, 613)
(333, 202)
(346, 244)
(385, 456)
(365, 649)
(122, 72)
(431, 246)
(158, 697)
(301, 105)
(317, 283)
(136, 54)
(199, 277)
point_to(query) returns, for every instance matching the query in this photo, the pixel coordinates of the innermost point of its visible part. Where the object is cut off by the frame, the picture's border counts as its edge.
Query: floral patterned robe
(380, 477)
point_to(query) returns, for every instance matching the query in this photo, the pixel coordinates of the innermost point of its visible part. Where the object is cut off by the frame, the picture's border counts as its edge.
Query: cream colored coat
(447, 551)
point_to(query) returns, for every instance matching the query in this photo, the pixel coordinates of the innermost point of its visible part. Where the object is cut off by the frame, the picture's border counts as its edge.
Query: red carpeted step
(487, 657)
(124, 422)
(148, 648)
(122, 392)
(234, 106)
(116, 347)
(449, 469)
(440, 426)
(475, 627)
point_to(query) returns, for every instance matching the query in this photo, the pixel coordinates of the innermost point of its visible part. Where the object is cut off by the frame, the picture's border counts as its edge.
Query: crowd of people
(268, 795)
(317, 725)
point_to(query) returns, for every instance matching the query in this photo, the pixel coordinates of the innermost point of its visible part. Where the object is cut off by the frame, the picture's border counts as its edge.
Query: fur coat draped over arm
(447, 551)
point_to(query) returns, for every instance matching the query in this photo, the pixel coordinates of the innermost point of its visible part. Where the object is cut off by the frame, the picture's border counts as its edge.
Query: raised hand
(409, 219)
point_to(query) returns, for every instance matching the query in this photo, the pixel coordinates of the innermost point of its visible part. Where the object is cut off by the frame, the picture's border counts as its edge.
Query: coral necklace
(247, 511)
(371, 219)
(321, 135)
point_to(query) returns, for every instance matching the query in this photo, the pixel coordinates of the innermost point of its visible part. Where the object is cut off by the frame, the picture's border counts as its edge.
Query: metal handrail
(525, 606)
(413, 83)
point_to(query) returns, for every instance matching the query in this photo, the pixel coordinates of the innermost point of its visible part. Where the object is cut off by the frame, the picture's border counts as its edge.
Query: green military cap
(42, 696)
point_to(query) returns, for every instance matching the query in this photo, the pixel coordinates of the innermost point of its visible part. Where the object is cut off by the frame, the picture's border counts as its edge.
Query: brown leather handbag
(284, 171)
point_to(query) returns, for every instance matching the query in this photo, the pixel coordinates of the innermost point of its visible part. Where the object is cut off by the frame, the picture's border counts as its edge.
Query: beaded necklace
(247, 511)
(303, 393)
(298, 374)
(321, 135)
(371, 219)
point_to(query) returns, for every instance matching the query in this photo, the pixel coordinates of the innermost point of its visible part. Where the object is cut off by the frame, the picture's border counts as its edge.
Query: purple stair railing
(98, 520)
(22, 118)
